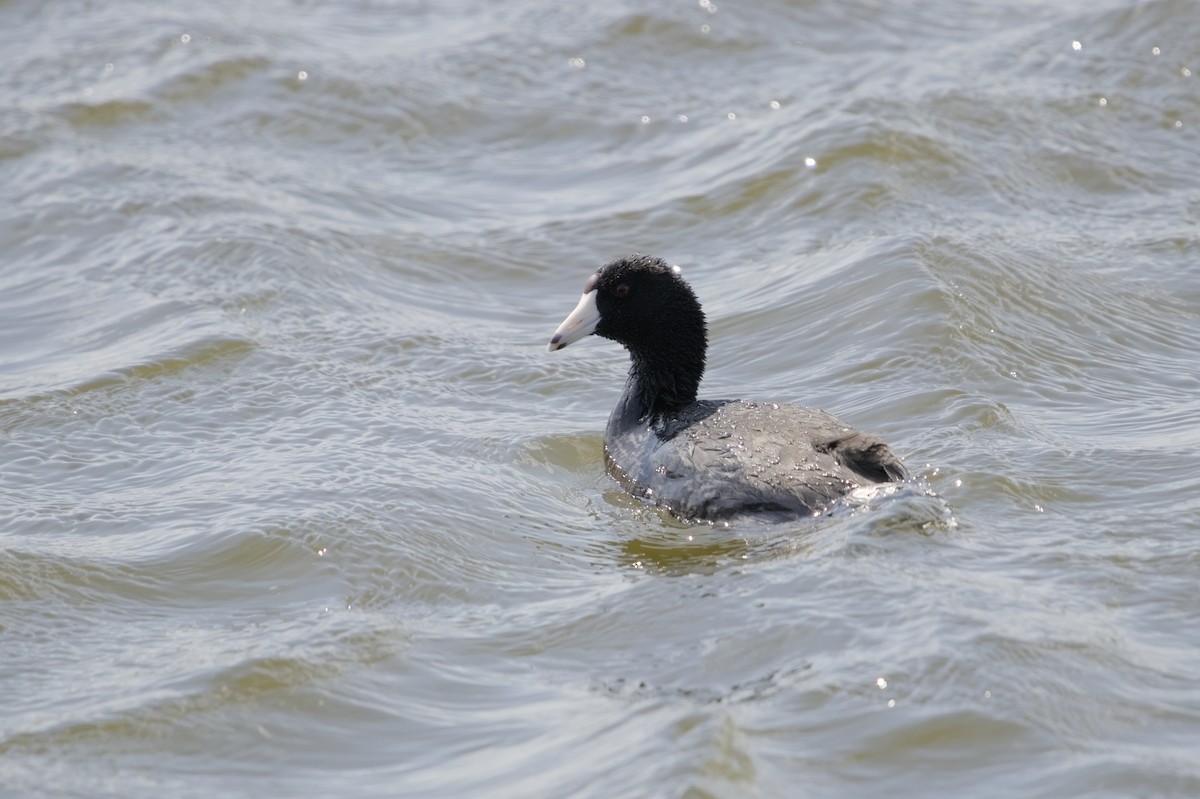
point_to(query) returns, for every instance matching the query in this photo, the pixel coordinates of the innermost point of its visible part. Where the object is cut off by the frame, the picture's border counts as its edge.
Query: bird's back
(718, 459)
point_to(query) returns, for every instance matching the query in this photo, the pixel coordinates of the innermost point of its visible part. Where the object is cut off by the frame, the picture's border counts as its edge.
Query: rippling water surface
(293, 501)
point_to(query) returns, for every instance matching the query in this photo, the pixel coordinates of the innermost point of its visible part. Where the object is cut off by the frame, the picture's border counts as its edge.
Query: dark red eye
(622, 290)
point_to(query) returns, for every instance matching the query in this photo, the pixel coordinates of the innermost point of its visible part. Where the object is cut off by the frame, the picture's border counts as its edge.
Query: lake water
(294, 502)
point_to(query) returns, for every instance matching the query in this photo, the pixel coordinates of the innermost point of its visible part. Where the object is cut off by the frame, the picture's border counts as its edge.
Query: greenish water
(293, 500)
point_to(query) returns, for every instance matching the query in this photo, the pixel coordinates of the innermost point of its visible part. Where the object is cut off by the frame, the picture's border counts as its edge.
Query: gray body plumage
(719, 459)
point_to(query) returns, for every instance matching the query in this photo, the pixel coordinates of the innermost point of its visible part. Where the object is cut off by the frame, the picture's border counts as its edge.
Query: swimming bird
(708, 459)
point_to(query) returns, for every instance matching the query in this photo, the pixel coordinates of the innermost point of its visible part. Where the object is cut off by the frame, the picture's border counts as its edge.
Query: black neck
(660, 382)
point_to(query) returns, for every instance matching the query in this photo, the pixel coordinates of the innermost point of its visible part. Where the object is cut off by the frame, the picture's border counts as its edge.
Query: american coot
(708, 459)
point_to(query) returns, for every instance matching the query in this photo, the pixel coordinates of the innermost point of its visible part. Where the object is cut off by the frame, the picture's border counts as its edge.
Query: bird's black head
(643, 303)
(641, 300)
